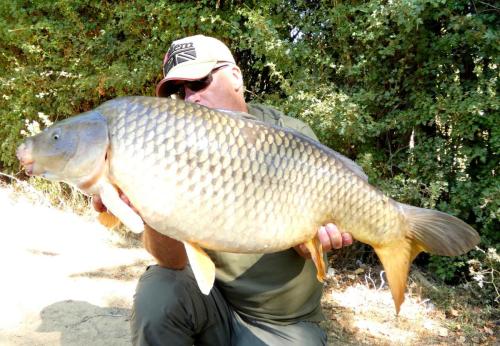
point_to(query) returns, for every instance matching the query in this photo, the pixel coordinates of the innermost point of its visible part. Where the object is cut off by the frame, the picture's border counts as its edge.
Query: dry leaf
(488, 330)
(443, 332)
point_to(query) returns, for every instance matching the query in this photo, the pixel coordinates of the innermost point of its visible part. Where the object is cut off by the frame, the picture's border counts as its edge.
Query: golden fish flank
(219, 180)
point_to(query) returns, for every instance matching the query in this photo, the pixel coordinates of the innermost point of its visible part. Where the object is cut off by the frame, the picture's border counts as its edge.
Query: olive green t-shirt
(278, 287)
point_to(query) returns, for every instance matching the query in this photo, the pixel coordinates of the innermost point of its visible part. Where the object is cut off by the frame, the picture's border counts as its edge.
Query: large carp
(222, 181)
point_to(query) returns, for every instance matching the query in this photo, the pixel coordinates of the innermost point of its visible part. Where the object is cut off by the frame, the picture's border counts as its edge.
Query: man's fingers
(346, 239)
(334, 236)
(97, 204)
(124, 198)
(302, 251)
(324, 238)
(127, 201)
(330, 237)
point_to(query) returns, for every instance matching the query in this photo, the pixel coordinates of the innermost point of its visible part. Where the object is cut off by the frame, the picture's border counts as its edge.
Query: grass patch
(359, 308)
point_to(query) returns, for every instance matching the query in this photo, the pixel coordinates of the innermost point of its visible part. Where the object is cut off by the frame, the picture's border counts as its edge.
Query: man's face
(222, 93)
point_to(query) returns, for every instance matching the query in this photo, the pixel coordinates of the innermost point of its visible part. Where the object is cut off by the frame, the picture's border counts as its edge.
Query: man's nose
(191, 96)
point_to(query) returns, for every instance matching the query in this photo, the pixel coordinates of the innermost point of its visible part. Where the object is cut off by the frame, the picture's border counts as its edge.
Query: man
(258, 299)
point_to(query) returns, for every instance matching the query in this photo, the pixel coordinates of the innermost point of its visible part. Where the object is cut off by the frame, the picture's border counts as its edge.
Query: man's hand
(100, 207)
(330, 237)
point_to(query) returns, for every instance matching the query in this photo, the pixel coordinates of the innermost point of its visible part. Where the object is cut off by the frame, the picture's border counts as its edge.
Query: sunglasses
(196, 85)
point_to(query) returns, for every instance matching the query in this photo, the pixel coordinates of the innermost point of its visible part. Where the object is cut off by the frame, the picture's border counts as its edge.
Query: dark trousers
(169, 309)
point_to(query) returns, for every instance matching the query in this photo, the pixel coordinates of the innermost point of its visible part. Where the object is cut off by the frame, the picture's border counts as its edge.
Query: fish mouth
(28, 168)
(25, 159)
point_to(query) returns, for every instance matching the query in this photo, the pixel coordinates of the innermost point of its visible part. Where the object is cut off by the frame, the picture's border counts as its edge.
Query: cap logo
(179, 53)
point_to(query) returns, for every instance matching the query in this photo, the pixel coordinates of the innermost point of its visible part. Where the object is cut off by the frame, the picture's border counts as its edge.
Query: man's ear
(237, 78)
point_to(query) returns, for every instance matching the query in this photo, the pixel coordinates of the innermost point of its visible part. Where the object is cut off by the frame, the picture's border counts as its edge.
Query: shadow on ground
(81, 323)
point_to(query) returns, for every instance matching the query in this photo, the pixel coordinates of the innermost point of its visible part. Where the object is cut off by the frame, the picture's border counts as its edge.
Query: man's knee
(161, 307)
(170, 309)
(160, 290)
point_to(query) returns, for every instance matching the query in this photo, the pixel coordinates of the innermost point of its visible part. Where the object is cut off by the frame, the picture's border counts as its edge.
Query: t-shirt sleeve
(273, 116)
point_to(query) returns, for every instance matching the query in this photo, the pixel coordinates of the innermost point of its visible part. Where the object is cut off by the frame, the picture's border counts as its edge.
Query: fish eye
(55, 136)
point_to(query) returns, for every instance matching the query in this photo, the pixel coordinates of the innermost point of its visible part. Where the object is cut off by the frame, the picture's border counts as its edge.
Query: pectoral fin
(120, 209)
(202, 266)
(316, 250)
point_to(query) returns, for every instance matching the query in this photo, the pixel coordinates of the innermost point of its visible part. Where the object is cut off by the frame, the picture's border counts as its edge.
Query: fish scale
(222, 181)
(263, 160)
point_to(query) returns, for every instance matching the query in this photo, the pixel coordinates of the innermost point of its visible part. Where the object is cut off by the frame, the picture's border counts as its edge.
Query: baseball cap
(191, 58)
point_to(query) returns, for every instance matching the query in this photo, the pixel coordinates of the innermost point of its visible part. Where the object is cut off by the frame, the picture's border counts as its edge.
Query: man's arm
(168, 252)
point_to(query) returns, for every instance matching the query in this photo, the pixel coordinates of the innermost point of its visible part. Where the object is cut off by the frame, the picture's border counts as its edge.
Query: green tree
(406, 88)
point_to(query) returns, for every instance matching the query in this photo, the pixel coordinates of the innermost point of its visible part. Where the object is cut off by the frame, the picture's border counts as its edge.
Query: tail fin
(430, 231)
(439, 233)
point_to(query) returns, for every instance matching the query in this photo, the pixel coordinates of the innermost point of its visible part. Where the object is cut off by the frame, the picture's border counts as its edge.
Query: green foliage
(407, 88)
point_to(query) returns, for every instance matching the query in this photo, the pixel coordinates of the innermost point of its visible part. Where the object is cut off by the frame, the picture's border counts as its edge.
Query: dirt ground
(69, 281)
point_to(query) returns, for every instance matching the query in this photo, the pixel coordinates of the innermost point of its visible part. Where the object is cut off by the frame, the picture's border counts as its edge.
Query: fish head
(68, 150)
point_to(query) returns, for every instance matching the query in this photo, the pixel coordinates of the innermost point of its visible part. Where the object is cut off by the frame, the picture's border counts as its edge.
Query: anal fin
(316, 250)
(202, 266)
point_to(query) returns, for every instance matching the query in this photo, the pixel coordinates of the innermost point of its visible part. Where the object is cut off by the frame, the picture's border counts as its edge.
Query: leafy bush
(407, 89)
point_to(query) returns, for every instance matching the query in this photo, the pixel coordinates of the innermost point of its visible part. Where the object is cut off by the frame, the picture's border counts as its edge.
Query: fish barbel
(222, 181)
